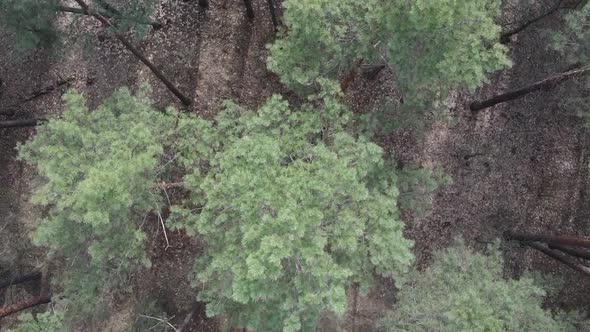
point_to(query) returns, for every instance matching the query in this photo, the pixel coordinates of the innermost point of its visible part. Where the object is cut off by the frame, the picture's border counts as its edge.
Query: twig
(160, 320)
(164, 229)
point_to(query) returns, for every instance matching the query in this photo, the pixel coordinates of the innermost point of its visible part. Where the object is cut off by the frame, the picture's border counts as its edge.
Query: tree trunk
(505, 37)
(20, 123)
(185, 100)
(66, 9)
(204, 3)
(355, 300)
(273, 15)
(560, 257)
(249, 10)
(348, 78)
(17, 307)
(20, 279)
(558, 240)
(545, 84)
(576, 252)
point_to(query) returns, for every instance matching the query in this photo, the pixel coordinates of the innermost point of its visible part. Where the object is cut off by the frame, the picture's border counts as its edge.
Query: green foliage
(465, 291)
(434, 46)
(295, 210)
(573, 43)
(31, 22)
(99, 171)
(50, 321)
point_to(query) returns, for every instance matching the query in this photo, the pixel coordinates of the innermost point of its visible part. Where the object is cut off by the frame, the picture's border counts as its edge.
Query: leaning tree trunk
(505, 37)
(563, 240)
(545, 84)
(20, 279)
(249, 9)
(66, 9)
(20, 306)
(560, 257)
(185, 100)
(20, 123)
(273, 14)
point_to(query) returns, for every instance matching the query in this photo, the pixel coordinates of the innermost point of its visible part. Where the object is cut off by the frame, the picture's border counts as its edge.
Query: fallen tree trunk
(545, 84)
(20, 279)
(576, 252)
(560, 257)
(79, 11)
(273, 15)
(20, 306)
(185, 100)
(20, 123)
(559, 240)
(249, 9)
(505, 37)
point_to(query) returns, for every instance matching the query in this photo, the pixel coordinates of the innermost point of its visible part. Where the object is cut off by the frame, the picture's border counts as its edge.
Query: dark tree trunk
(185, 100)
(373, 71)
(17, 307)
(20, 279)
(348, 78)
(204, 3)
(576, 252)
(66, 9)
(545, 84)
(560, 240)
(20, 123)
(505, 37)
(249, 9)
(273, 14)
(560, 257)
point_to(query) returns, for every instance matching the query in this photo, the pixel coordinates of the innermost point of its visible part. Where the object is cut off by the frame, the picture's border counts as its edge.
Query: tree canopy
(466, 291)
(432, 46)
(99, 172)
(296, 211)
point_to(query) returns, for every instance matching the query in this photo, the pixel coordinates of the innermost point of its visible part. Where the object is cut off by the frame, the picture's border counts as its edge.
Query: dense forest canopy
(299, 196)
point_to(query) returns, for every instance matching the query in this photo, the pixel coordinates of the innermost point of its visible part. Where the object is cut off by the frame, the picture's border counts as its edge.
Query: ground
(518, 166)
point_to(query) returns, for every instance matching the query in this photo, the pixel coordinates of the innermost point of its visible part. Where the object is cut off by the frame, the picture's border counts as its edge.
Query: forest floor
(519, 166)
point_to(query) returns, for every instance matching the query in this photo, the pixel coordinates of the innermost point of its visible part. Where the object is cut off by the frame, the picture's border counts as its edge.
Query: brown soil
(520, 166)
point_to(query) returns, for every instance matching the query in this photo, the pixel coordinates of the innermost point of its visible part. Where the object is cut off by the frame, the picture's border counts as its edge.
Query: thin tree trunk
(545, 84)
(560, 257)
(559, 240)
(20, 123)
(576, 252)
(505, 37)
(249, 9)
(20, 279)
(17, 307)
(348, 78)
(185, 100)
(273, 14)
(355, 306)
(66, 9)
(204, 3)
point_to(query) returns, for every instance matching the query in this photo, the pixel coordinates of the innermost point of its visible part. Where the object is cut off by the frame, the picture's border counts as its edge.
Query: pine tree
(294, 210)
(433, 46)
(99, 171)
(466, 291)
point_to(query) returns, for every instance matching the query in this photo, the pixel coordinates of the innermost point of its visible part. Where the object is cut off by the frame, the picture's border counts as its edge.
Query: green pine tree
(294, 210)
(100, 172)
(466, 291)
(433, 46)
